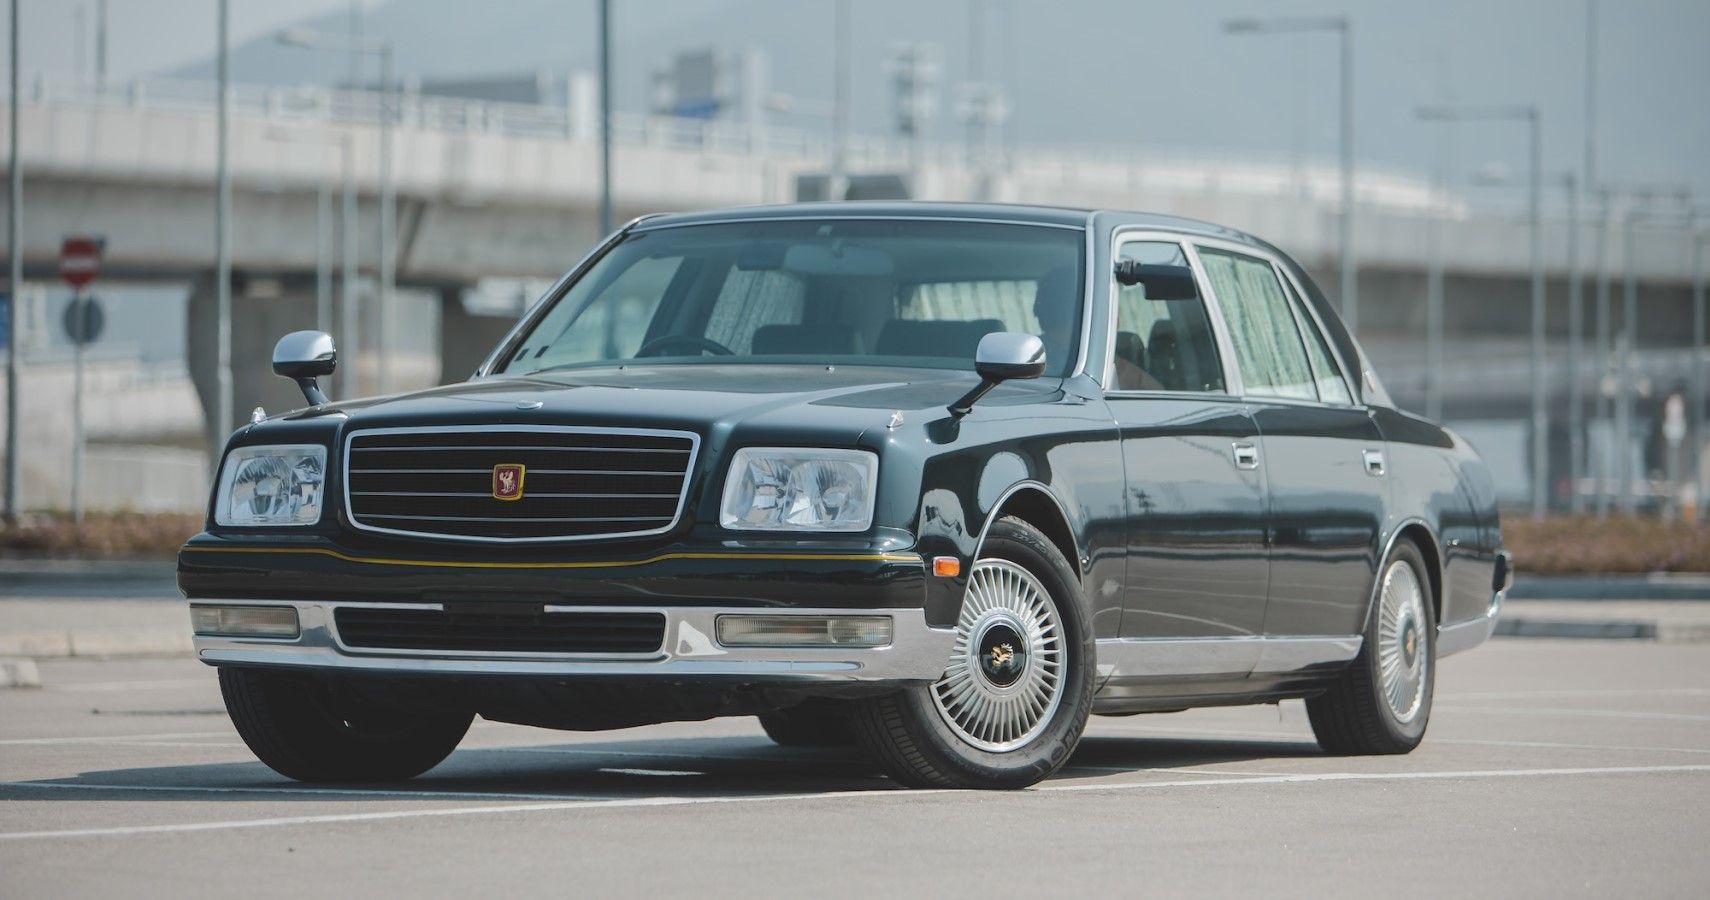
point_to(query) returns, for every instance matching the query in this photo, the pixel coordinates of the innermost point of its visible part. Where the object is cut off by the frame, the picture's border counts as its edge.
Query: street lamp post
(1342, 26)
(346, 329)
(1527, 113)
(308, 39)
(15, 285)
(223, 417)
(605, 30)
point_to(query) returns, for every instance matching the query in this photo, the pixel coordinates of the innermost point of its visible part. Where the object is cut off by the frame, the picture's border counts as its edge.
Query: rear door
(1196, 495)
(1323, 456)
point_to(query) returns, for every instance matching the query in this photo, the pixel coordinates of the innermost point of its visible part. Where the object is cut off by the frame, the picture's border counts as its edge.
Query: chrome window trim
(676, 517)
(1226, 363)
(846, 217)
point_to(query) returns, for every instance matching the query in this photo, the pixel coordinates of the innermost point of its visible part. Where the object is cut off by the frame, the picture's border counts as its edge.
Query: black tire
(1354, 717)
(912, 742)
(813, 723)
(311, 729)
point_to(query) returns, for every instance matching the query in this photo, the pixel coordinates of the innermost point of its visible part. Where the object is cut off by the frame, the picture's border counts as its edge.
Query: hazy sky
(1143, 72)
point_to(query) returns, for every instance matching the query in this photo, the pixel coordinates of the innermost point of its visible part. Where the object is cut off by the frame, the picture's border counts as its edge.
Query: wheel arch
(1418, 533)
(1033, 503)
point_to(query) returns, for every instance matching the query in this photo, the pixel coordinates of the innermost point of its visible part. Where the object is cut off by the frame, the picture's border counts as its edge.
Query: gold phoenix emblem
(1002, 653)
(508, 481)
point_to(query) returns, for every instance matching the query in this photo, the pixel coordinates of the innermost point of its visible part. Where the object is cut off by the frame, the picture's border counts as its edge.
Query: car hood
(841, 400)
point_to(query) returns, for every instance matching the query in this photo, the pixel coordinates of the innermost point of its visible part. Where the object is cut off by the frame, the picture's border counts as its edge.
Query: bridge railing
(1137, 167)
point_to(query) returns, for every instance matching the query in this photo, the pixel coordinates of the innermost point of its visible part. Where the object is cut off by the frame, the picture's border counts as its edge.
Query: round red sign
(79, 260)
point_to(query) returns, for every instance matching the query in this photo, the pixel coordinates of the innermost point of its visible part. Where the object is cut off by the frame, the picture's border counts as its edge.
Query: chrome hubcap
(1005, 678)
(1402, 661)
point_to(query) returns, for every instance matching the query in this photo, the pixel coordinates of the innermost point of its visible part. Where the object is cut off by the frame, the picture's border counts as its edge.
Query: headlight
(272, 486)
(785, 489)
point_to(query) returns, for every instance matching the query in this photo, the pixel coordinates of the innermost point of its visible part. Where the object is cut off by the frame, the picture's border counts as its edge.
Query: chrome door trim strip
(1246, 655)
(676, 517)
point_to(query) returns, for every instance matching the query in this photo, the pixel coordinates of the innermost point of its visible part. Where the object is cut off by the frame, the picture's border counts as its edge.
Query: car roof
(1060, 216)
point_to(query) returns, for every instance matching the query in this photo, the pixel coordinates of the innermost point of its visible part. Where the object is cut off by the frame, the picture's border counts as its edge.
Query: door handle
(1246, 455)
(1374, 462)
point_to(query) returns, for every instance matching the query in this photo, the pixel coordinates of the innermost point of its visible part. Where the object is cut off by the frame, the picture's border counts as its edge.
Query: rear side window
(1261, 326)
(1325, 372)
(1162, 344)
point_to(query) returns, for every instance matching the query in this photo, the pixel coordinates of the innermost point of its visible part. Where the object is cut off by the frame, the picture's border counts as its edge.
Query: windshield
(856, 292)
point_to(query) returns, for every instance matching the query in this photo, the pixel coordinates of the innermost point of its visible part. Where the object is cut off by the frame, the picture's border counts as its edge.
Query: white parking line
(424, 794)
(833, 795)
(1214, 734)
(1608, 692)
(1570, 713)
(113, 738)
(647, 772)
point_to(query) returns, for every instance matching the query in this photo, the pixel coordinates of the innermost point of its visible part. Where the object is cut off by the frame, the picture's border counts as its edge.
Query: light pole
(1527, 113)
(605, 30)
(305, 38)
(323, 251)
(837, 184)
(14, 255)
(1342, 26)
(1699, 238)
(223, 417)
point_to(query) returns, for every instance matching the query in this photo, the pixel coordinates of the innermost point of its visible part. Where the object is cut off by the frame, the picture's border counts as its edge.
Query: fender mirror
(303, 356)
(1001, 356)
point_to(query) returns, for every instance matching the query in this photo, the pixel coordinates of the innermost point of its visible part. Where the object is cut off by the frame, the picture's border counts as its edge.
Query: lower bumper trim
(917, 652)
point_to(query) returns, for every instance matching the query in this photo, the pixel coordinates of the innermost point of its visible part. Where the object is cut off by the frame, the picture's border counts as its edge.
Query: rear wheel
(1013, 701)
(813, 723)
(1382, 703)
(314, 729)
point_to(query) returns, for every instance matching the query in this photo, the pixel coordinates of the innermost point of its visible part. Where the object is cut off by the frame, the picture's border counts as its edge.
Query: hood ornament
(529, 404)
(256, 415)
(896, 420)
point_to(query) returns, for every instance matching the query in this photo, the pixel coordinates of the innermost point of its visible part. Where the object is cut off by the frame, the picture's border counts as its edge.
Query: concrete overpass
(492, 189)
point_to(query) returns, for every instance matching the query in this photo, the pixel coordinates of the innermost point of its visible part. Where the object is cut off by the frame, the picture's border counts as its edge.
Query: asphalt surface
(1551, 768)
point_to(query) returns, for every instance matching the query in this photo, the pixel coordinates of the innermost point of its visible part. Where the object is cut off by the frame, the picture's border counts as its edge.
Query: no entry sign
(79, 260)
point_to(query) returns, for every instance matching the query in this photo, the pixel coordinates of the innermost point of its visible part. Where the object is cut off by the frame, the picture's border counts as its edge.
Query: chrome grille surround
(674, 491)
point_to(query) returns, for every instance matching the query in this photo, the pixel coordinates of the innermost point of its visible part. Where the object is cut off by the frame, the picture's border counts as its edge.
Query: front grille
(578, 483)
(546, 632)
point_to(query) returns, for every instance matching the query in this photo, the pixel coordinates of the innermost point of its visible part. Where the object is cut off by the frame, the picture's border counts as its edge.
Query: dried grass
(1583, 545)
(100, 536)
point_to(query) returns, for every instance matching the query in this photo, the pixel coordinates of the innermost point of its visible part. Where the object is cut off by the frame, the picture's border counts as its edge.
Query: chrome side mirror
(303, 356)
(1001, 356)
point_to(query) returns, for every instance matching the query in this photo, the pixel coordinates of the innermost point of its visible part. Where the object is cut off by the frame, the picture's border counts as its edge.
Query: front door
(1195, 501)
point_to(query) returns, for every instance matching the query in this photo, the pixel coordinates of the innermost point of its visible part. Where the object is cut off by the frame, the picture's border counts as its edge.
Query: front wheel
(1014, 699)
(316, 729)
(1382, 702)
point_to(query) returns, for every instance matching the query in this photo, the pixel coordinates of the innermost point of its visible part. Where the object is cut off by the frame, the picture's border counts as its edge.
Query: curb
(1603, 629)
(97, 644)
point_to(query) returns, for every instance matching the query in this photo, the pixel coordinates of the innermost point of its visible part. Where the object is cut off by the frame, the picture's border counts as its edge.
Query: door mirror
(1162, 282)
(1001, 356)
(303, 356)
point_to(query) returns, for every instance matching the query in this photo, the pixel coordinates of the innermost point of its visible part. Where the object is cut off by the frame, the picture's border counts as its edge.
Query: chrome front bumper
(917, 651)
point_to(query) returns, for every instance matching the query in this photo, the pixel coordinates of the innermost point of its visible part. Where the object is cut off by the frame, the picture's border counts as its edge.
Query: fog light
(244, 621)
(804, 631)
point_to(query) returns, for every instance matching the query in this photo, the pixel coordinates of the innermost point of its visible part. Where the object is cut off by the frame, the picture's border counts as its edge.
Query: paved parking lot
(1551, 768)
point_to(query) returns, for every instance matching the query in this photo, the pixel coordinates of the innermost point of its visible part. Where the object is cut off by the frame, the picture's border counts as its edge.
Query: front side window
(906, 292)
(1261, 326)
(1162, 344)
